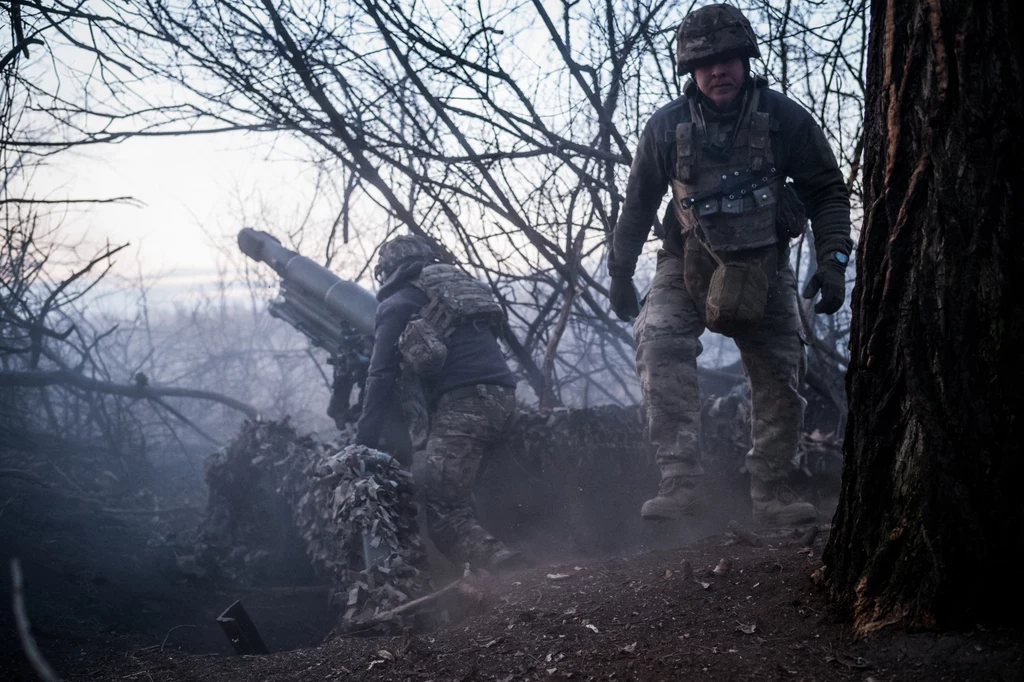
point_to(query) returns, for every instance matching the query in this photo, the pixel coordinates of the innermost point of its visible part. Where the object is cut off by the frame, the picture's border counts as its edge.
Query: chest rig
(728, 190)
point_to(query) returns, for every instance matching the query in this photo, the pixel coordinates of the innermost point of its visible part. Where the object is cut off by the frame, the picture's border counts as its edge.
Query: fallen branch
(458, 587)
(35, 658)
(141, 391)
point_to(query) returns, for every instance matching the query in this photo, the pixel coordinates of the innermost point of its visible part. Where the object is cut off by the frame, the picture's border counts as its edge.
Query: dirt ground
(637, 617)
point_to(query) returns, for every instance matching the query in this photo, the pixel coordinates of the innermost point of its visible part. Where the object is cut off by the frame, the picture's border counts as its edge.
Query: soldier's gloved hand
(830, 279)
(623, 297)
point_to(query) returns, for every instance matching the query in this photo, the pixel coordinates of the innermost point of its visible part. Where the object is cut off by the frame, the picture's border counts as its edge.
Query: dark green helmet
(712, 31)
(406, 247)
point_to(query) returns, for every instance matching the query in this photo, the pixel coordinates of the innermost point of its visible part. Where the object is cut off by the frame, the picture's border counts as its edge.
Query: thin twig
(176, 627)
(23, 475)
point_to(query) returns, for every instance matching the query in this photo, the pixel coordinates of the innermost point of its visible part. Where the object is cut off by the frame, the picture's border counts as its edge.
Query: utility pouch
(454, 298)
(737, 297)
(738, 291)
(423, 348)
(792, 217)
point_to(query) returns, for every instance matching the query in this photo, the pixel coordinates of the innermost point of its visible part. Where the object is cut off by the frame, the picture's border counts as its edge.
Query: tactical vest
(455, 298)
(733, 197)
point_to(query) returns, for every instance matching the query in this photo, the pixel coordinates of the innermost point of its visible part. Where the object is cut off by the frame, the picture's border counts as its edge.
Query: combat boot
(776, 504)
(505, 560)
(677, 497)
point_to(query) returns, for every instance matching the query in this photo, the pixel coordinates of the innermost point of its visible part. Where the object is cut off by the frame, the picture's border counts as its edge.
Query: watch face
(841, 257)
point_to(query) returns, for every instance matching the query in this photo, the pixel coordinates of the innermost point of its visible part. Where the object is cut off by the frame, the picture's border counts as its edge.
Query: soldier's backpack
(455, 298)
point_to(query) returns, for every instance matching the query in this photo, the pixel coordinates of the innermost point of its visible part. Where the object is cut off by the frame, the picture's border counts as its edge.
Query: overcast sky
(190, 188)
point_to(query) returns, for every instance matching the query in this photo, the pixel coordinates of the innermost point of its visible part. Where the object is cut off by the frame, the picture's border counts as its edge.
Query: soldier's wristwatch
(840, 257)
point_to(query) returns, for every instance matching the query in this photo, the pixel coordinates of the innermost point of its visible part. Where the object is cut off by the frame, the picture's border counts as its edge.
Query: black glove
(623, 297)
(830, 279)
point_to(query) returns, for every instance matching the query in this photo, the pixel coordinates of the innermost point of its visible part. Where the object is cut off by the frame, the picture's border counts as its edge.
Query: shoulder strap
(701, 237)
(434, 312)
(684, 151)
(761, 155)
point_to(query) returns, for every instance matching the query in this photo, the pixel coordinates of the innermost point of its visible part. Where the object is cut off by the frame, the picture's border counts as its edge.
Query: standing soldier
(726, 148)
(439, 323)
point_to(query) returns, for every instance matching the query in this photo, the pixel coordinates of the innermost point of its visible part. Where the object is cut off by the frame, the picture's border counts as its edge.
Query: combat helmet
(711, 31)
(406, 247)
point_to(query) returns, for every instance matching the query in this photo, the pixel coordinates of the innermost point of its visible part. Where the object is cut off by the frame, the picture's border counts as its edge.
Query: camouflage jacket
(800, 150)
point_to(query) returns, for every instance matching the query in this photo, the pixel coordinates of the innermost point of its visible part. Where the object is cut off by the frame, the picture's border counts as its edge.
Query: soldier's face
(721, 80)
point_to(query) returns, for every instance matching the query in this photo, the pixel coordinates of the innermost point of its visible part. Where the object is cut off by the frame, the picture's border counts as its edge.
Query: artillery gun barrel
(346, 299)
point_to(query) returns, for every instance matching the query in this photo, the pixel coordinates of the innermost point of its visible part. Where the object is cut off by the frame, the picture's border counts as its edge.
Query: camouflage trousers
(464, 427)
(667, 333)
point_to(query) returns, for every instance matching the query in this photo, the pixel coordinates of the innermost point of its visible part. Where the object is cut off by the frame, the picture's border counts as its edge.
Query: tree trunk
(930, 518)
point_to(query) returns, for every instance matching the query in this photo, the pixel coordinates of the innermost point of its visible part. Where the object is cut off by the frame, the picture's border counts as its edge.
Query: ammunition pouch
(423, 348)
(454, 298)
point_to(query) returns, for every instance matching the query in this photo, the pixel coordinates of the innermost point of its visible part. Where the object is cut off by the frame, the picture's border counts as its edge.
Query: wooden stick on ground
(35, 658)
(458, 587)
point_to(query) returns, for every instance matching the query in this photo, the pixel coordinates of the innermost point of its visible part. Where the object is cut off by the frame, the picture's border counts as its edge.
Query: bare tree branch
(38, 378)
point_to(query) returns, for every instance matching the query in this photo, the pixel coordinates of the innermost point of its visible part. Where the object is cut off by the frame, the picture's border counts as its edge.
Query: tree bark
(930, 517)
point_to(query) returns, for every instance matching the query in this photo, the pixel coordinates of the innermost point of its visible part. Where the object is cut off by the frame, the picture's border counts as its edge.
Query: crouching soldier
(439, 324)
(726, 149)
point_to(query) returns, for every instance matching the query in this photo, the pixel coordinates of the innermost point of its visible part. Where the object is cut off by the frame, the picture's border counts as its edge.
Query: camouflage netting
(250, 536)
(285, 510)
(570, 479)
(725, 436)
(575, 478)
(359, 522)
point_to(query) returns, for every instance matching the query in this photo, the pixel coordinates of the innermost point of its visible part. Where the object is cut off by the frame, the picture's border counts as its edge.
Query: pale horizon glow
(193, 193)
